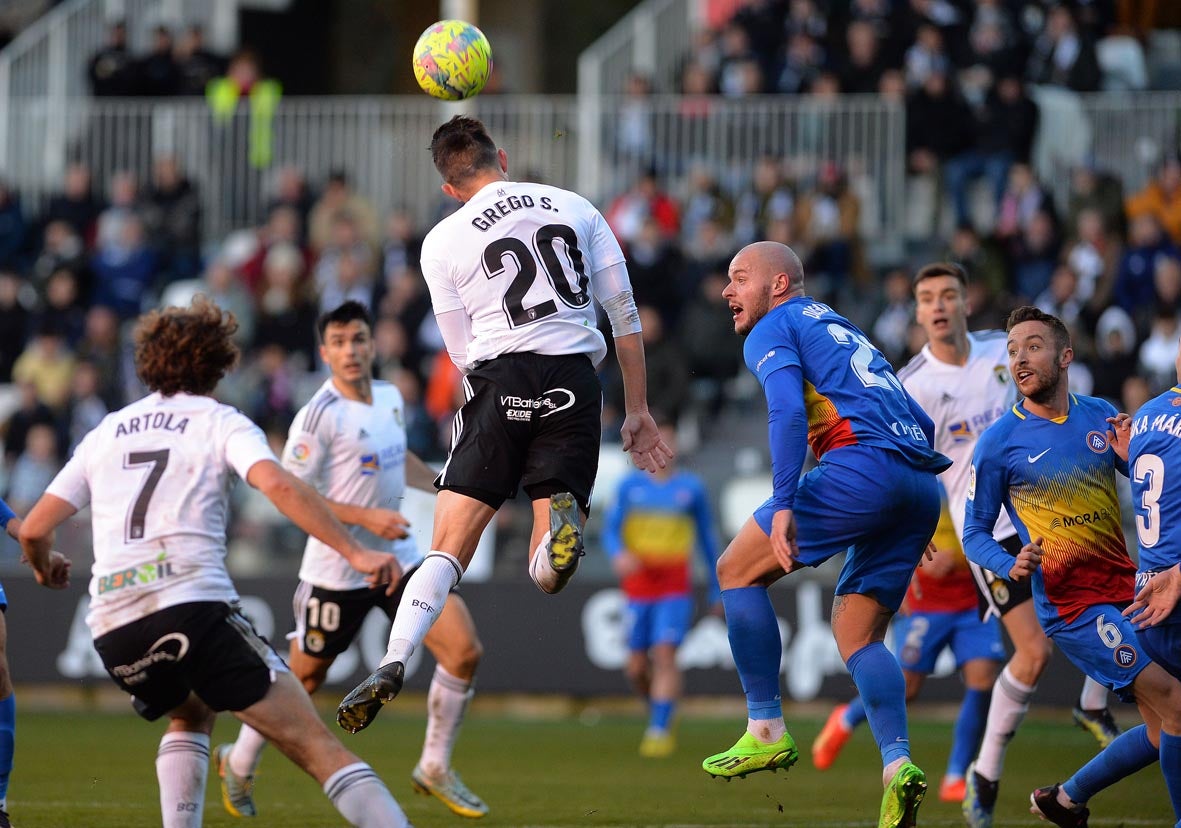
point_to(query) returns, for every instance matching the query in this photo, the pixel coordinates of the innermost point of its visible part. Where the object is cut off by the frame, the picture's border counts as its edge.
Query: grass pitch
(96, 771)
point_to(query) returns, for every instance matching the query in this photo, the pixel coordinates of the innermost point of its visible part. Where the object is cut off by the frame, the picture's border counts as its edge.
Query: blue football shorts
(661, 621)
(872, 503)
(920, 637)
(1104, 645)
(3, 599)
(1162, 643)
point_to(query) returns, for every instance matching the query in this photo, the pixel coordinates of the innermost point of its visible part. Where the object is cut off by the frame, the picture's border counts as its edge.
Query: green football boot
(750, 755)
(904, 794)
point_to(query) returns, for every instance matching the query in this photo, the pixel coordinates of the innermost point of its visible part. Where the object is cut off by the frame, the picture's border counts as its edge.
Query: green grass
(96, 771)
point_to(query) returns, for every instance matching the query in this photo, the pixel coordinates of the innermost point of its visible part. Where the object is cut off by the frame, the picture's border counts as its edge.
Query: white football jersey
(963, 401)
(157, 476)
(352, 453)
(519, 259)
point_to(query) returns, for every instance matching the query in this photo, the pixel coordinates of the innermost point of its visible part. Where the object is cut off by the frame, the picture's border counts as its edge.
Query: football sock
(854, 713)
(1093, 695)
(1170, 765)
(540, 569)
(882, 688)
(1129, 752)
(7, 744)
(363, 799)
(446, 703)
(182, 765)
(1010, 703)
(758, 649)
(660, 713)
(246, 752)
(421, 603)
(969, 727)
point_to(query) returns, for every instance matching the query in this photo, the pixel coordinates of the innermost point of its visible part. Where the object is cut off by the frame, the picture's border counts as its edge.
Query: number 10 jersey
(157, 477)
(519, 259)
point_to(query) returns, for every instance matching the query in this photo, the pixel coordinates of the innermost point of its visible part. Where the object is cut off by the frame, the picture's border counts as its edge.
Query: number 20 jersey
(157, 477)
(519, 258)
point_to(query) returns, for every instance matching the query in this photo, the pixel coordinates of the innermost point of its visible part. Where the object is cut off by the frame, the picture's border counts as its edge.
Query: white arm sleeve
(613, 288)
(610, 282)
(456, 328)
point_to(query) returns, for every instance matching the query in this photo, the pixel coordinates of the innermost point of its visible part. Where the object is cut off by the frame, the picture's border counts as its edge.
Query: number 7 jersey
(157, 477)
(519, 260)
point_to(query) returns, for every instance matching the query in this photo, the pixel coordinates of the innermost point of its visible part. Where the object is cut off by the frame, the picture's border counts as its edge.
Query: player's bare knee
(466, 660)
(1030, 660)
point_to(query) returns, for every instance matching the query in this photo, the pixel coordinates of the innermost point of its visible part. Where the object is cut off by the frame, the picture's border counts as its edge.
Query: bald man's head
(762, 275)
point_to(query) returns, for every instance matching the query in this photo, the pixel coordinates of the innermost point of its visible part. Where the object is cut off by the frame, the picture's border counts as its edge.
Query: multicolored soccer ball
(452, 60)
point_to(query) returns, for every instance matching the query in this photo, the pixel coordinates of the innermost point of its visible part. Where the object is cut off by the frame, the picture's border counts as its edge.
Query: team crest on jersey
(961, 432)
(370, 465)
(314, 641)
(398, 418)
(1125, 655)
(1000, 591)
(1175, 401)
(1097, 441)
(1001, 373)
(300, 452)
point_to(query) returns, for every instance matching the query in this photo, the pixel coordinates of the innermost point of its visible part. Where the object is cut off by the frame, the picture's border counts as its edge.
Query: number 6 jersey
(519, 260)
(157, 477)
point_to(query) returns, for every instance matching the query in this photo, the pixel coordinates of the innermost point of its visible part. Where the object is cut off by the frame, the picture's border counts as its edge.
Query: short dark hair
(185, 349)
(1028, 313)
(462, 148)
(350, 311)
(931, 271)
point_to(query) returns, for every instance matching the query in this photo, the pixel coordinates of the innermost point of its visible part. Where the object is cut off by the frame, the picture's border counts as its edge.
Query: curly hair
(185, 350)
(461, 149)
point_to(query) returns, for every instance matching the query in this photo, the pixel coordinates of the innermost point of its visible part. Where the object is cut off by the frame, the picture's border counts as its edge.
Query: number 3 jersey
(353, 453)
(1154, 457)
(1056, 479)
(519, 259)
(850, 392)
(157, 477)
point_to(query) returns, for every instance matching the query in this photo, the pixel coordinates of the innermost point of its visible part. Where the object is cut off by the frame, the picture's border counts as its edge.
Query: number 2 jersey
(1154, 458)
(157, 477)
(1056, 479)
(520, 259)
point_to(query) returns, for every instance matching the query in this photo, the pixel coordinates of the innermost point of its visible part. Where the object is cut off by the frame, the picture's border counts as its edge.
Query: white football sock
(446, 702)
(540, 569)
(766, 730)
(247, 751)
(1010, 703)
(1093, 696)
(363, 799)
(182, 765)
(422, 601)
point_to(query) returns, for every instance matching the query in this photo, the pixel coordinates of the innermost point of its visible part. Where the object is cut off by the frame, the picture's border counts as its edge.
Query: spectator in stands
(346, 266)
(801, 65)
(926, 58)
(76, 204)
(31, 411)
(1004, 130)
(668, 369)
(1022, 200)
(48, 365)
(769, 198)
(339, 198)
(762, 25)
(992, 43)
(34, 468)
(123, 208)
(740, 72)
(1061, 297)
(272, 386)
(62, 248)
(196, 66)
(390, 346)
(1063, 55)
(285, 316)
(281, 228)
(291, 190)
(1134, 286)
(628, 212)
(826, 221)
(422, 436)
(102, 345)
(706, 336)
(12, 226)
(112, 70)
(1094, 255)
(221, 285)
(125, 270)
(1035, 254)
(1161, 198)
(157, 74)
(704, 201)
(172, 216)
(86, 408)
(891, 320)
(938, 125)
(656, 267)
(14, 323)
(984, 263)
(804, 17)
(862, 64)
(1091, 188)
(634, 145)
(1115, 351)
(710, 249)
(244, 83)
(1158, 353)
(402, 244)
(1166, 281)
(63, 306)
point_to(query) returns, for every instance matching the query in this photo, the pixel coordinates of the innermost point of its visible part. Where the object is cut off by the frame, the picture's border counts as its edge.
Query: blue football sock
(879, 680)
(660, 713)
(757, 648)
(7, 741)
(854, 713)
(969, 728)
(1129, 752)
(1170, 765)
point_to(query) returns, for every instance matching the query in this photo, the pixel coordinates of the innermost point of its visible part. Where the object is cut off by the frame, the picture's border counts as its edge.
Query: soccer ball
(452, 60)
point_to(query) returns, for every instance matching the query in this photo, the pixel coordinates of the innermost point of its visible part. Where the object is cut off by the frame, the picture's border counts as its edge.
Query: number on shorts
(323, 615)
(1109, 633)
(861, 359)
(1149, 470)
(572, 292)
(137, 517)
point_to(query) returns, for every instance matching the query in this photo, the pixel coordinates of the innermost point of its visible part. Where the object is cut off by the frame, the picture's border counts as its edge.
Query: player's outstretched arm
(311, 513)
(640, 434)
(51, 568)
(385, 523)
(1157, 599)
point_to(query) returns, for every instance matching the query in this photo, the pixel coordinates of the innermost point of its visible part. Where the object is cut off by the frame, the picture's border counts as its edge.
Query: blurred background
(1036, 141)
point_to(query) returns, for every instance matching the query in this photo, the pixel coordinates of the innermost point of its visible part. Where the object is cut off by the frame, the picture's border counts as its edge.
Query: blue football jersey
(1154, 454)
(850, 392)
